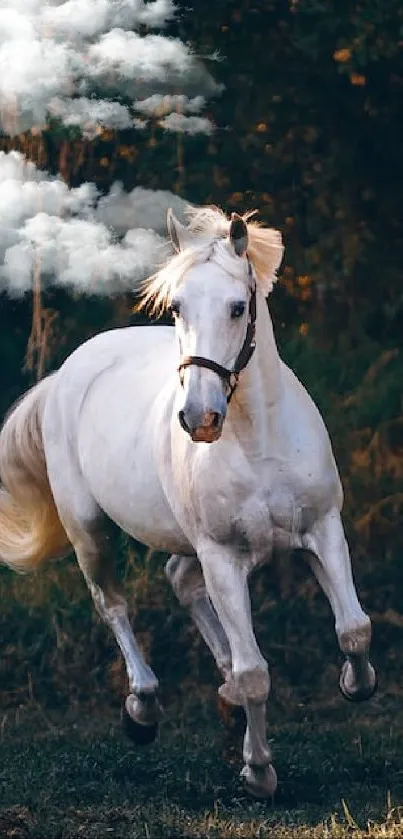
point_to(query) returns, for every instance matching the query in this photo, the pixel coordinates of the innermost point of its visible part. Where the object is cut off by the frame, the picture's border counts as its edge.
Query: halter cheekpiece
(230, 377)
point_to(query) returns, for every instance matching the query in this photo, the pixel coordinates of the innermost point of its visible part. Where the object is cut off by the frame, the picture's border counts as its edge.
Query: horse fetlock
(142, 680)
(252, 685)
(260, 782)
(356, 642)
(256, 750)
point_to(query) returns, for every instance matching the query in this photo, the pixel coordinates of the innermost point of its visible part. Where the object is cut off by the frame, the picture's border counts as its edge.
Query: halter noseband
(230, 377)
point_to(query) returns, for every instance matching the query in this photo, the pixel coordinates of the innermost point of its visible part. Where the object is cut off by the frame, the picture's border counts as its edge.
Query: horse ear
(180, 236)
(238, 234)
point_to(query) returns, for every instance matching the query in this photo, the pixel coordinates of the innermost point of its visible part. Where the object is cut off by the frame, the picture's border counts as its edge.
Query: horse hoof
(233, 716)
(141, 735)
(259, 782)
(360, 694)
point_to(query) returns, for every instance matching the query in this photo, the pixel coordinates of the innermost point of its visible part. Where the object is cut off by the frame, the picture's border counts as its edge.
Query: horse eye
(175, 308)
(237, 309)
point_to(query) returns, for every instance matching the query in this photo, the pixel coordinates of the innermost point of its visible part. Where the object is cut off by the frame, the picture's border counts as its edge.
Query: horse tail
(30, 529)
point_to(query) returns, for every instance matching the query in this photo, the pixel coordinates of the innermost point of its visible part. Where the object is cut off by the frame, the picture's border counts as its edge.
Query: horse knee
(253, 685)
(186, 578)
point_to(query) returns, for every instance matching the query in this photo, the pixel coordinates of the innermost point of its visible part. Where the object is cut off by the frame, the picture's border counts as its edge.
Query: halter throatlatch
(230, 377)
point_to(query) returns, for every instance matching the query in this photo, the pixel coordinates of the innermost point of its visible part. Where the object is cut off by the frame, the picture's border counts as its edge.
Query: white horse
(118, 435)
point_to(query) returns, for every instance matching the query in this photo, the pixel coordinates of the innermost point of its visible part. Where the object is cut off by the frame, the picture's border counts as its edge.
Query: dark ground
(67, 770)
(76, 775)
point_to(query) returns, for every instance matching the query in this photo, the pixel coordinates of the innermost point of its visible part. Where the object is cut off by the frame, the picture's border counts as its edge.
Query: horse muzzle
(205, 428)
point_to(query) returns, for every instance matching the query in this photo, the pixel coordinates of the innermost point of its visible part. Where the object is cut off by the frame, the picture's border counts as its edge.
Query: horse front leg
(186, 578)
(226, 580)
(329, 558)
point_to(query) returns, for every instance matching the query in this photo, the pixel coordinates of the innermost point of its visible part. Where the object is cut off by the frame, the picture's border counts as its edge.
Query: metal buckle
(232, 385)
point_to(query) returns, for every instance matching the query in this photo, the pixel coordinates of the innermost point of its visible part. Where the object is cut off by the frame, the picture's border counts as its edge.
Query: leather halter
(230, 377)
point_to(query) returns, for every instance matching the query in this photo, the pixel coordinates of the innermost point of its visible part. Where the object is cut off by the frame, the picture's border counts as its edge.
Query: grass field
(67, 771)
(76, 775)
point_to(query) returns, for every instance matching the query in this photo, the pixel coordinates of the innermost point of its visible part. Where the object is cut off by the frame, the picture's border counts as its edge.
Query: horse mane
(265, 251)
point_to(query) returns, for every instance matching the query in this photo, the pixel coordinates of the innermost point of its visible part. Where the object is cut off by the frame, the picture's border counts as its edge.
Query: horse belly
(129, 492)
(117, 457)
(157, 530)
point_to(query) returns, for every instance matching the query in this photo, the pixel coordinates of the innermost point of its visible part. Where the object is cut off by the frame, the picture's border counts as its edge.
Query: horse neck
(259, 388)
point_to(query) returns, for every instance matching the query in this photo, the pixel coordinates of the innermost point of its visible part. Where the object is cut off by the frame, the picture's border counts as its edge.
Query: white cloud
(31, 73)
(73, 49)
(77, 238)
(150, 58)
(82, 255)
(183, 124)
(160, 104)
(91, 115)
(88, 18)
(138, 208)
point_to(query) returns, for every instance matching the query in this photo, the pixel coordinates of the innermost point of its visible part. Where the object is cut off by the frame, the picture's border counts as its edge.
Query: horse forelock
(265, 251)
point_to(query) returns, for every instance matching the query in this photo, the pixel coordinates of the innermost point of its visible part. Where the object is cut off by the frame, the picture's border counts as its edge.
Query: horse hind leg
(95, 555)
(92, 535)
(186, 578)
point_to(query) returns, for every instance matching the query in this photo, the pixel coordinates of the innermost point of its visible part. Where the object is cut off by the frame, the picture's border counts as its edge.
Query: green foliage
(59, 131)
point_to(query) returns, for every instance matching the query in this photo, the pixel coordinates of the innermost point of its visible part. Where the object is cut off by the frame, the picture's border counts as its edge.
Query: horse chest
(244, 523)
(259, 511)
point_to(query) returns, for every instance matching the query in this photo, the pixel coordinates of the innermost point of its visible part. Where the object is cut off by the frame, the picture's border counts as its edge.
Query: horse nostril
(215, 420)
(191, 421)
(183, 422)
